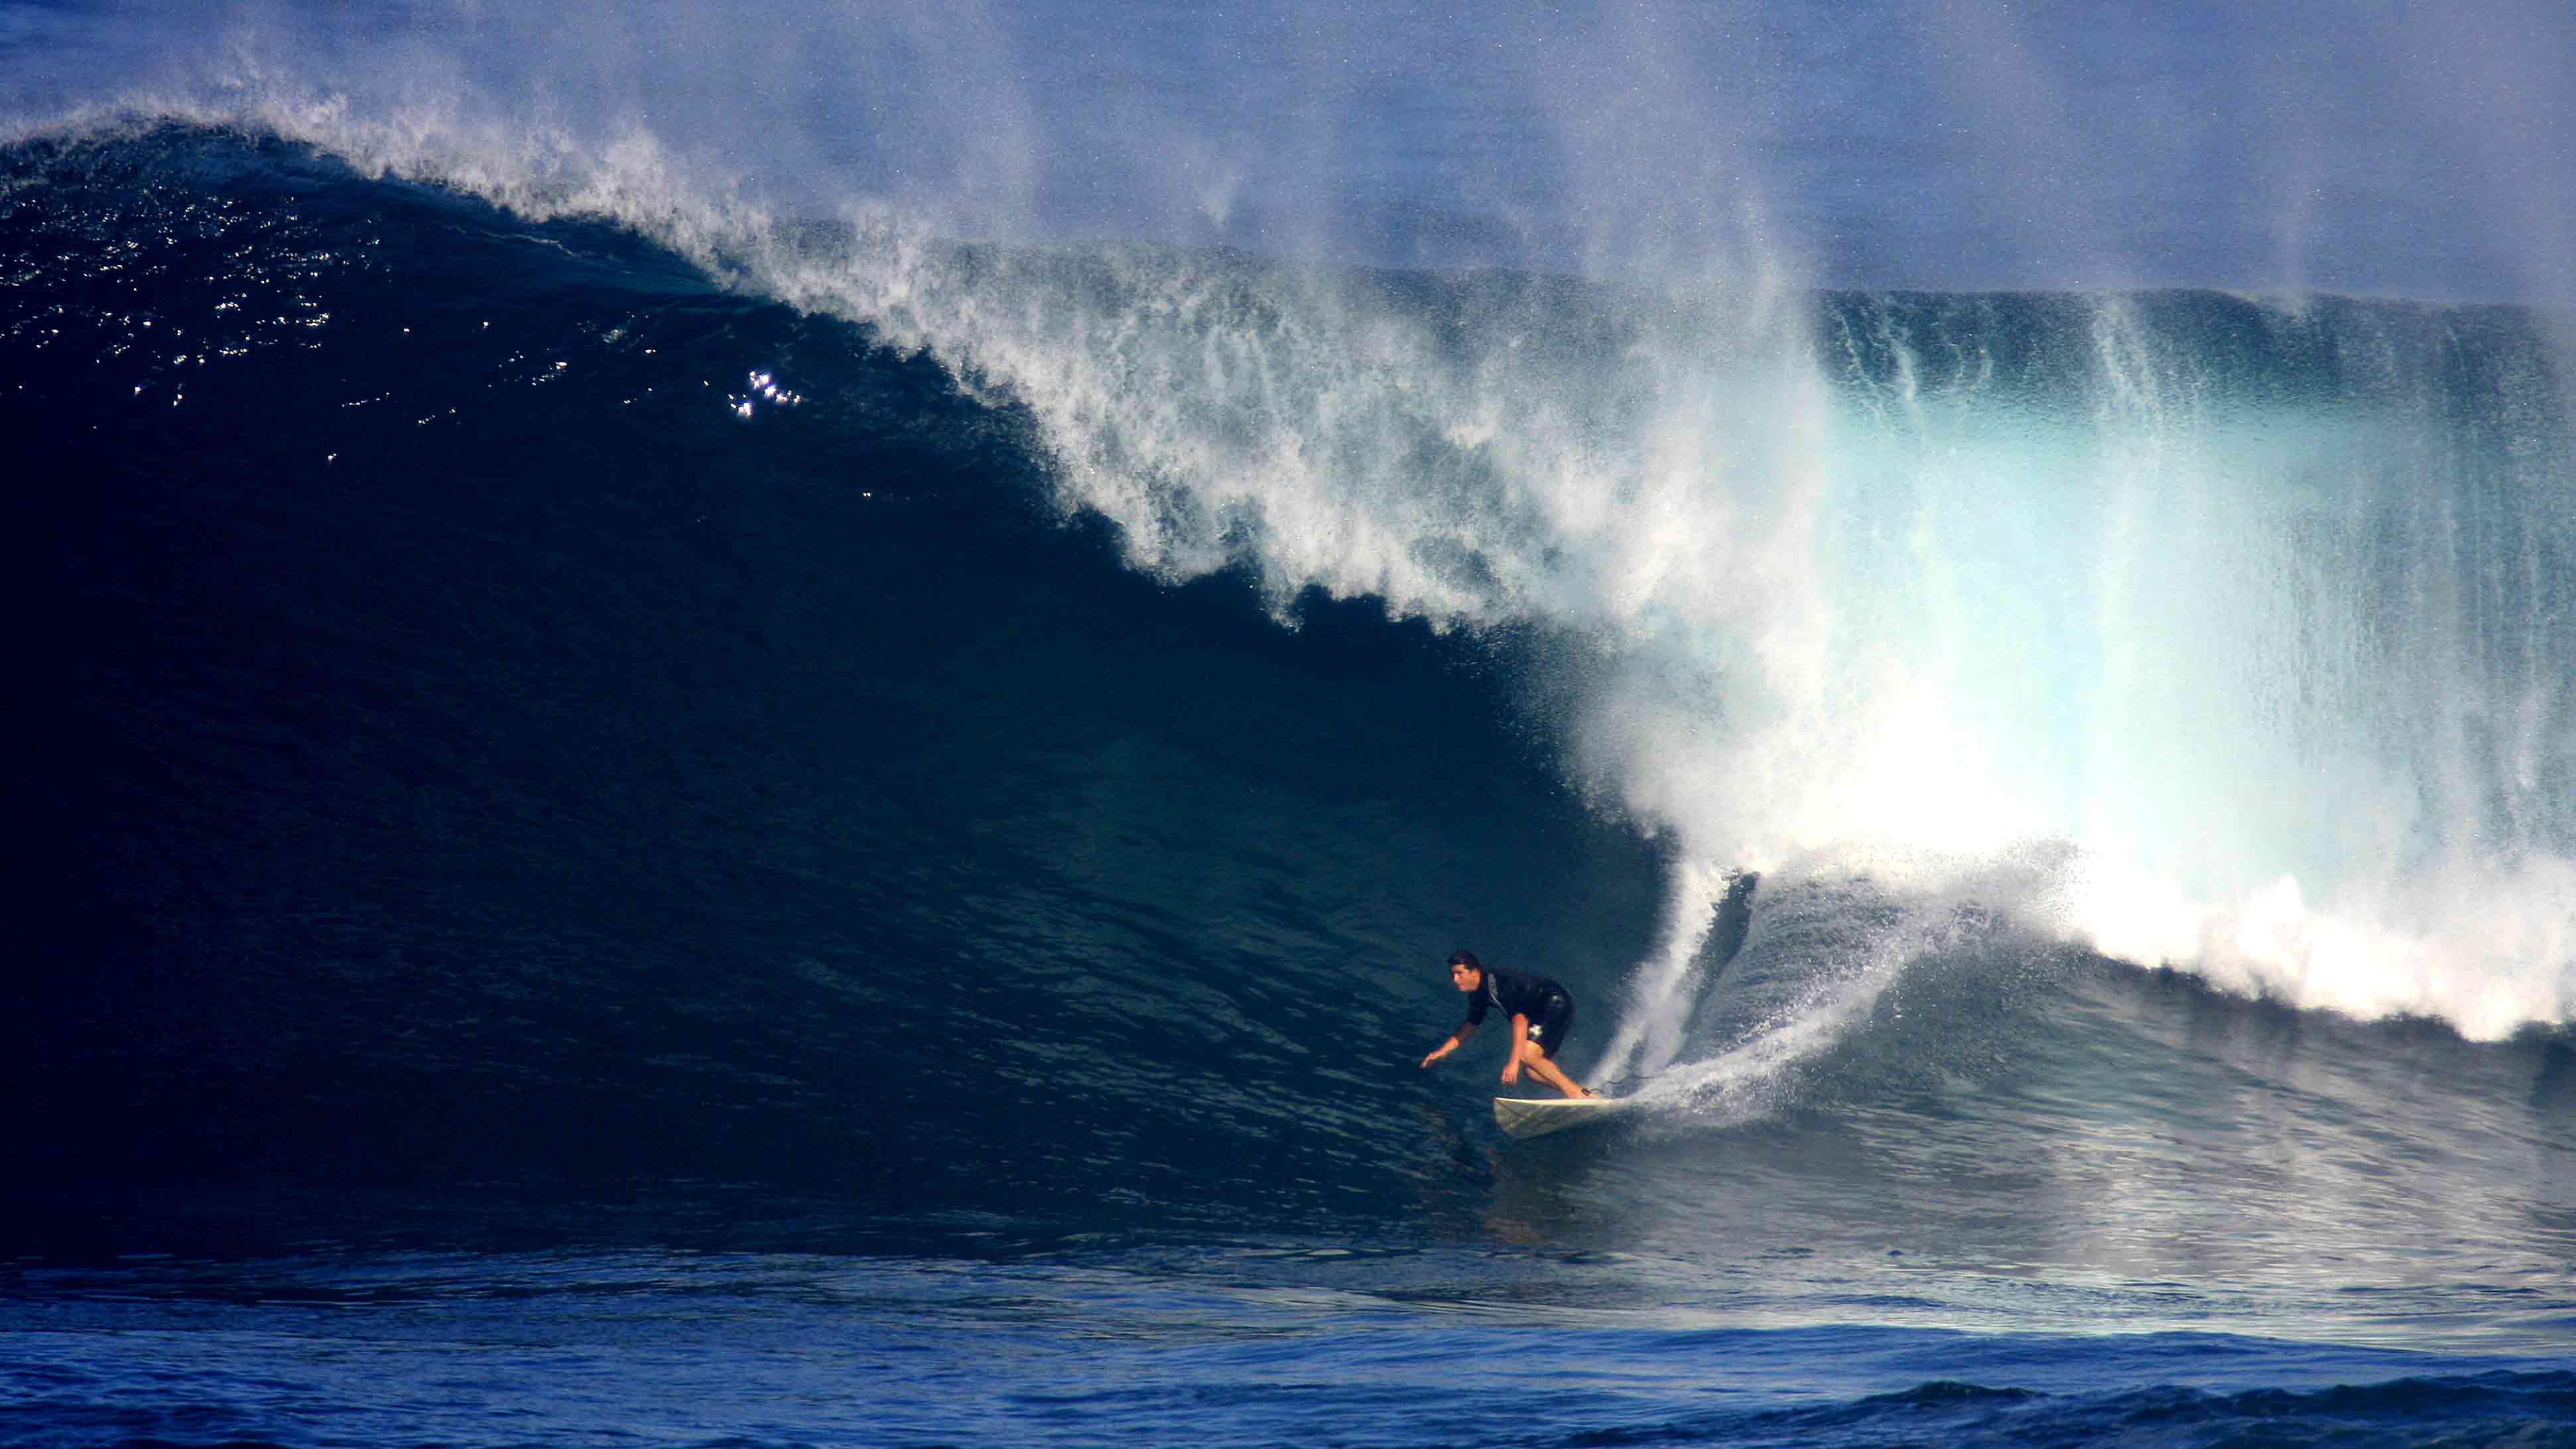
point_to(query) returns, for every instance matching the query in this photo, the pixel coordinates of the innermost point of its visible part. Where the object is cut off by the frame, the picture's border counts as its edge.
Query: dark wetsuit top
(1549, 1007)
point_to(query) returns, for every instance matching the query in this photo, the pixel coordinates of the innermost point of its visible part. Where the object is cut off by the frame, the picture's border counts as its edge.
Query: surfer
(1541, 1013)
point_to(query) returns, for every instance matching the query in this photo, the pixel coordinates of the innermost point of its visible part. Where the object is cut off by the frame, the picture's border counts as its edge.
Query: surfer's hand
(1511, 1071)
(1436, 1054)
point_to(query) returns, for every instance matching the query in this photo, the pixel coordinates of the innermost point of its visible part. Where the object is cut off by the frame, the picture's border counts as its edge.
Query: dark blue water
(649, 823)
(1231, 1343)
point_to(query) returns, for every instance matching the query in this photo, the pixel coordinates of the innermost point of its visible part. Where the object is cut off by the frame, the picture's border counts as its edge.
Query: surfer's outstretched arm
(1451, 1045)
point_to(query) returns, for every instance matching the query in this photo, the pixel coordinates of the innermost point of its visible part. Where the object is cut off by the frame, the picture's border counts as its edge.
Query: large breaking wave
(2213, 630)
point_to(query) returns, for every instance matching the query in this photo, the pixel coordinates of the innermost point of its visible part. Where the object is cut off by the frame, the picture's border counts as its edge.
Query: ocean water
(762, 727)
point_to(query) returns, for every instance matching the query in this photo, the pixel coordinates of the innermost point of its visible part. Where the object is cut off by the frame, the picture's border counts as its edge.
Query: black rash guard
(1548, 1006)
(1517, 995)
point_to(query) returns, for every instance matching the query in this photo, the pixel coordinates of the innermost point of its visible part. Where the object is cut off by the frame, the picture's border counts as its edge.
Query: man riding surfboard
(1541, 1012)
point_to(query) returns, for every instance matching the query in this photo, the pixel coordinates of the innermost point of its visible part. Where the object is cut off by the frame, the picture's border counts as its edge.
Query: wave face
(513, 705)
(524, 698)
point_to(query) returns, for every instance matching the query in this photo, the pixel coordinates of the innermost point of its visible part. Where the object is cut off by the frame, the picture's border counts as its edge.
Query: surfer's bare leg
(1535, 1059)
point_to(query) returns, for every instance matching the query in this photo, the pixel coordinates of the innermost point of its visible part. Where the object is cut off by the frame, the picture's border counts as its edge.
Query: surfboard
(1538, 1116)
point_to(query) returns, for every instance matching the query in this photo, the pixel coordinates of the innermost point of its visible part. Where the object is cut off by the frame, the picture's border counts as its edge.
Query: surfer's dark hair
(1466, 959)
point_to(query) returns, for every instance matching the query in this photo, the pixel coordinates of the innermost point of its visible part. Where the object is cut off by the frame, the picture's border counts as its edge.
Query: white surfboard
(1538, 1116)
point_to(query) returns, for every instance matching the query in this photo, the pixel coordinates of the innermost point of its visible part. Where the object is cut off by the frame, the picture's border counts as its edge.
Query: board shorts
(1555, 1019)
